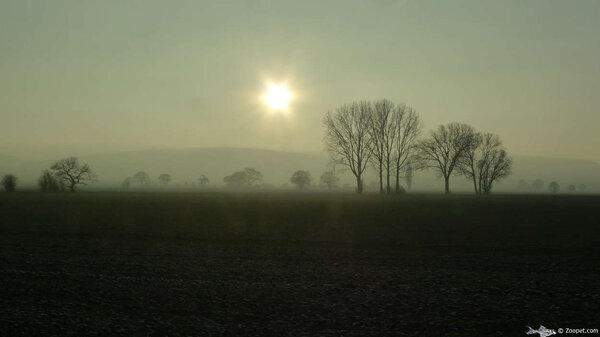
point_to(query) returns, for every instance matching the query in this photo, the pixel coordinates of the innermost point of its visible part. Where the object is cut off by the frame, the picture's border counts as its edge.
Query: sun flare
(278, 97)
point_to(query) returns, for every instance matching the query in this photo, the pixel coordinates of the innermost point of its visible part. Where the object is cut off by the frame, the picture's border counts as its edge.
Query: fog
(186, 165)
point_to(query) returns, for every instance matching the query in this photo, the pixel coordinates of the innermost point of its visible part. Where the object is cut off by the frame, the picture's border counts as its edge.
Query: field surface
(184, 264)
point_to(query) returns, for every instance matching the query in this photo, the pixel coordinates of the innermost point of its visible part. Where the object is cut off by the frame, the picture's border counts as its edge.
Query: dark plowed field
(63, 271)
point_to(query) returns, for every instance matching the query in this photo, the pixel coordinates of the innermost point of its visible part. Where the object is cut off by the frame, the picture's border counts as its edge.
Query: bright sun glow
(278, 97)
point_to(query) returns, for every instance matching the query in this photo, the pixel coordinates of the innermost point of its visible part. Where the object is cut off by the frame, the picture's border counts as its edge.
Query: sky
(123, 75)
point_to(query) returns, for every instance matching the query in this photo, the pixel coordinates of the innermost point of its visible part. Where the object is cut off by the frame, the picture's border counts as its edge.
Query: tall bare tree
(72, 173)
(469, 162)
(495, 163)
(444, 149)
(347, 138)
(485, 161)
(382, 133)
(407, 129)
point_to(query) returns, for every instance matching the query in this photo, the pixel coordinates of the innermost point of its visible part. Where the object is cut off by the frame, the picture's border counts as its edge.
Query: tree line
(382, 135)
(387, 137)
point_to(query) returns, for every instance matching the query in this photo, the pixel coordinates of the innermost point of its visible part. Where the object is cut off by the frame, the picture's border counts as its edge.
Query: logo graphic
(542, 331)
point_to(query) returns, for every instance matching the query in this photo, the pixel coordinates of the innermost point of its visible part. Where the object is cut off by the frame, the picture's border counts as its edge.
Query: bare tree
(469, 162)
(203, 180)
(237, 179)
(407, 126)
(347, 138)
(252, 175)
(9, 182)
(329, 179)
(382, 134)
(495, 163)
(484, 162)
(164, 178)
(245, 178)
(301, 178)
(444, 149)
(72, 173)
(48, 182)
(141, 178)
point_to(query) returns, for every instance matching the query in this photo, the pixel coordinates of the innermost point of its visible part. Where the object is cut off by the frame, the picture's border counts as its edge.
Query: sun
(278, 97)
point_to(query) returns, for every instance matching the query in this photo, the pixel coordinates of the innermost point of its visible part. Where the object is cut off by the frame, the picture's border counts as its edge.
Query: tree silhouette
(237, 179)
(301, 178)
(347, 138)
(203, 180)
(9, 182)
(484, 162)
(252, 175)
(48, 182)
(164, 178)
(245, 178)
(444, 148)
(381, 131)
(329, 179)
(407, 126)
(72, 173)
(141, 178)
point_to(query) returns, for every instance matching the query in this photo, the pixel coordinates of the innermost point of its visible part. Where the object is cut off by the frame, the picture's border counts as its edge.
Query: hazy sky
(109, 75)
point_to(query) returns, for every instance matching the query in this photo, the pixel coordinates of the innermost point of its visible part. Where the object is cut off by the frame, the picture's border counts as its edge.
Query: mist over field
(186, 165)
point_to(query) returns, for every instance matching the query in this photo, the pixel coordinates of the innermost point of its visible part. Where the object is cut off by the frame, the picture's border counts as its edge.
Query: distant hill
(186, 165)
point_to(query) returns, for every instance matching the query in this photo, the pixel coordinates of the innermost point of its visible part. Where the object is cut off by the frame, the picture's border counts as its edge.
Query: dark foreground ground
(284, 265)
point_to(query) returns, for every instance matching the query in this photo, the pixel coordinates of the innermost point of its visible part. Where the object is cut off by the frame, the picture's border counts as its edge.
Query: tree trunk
(359, 184)
(380, 178)
(475, 184)
(487, 189)
(387, 173)
(397, 180)
(447, 184)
